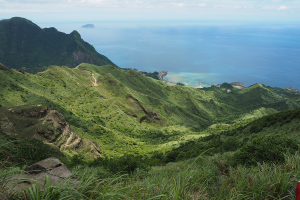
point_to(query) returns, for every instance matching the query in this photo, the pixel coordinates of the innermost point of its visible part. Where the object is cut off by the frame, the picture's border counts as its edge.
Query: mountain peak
(25, 44)
(75, 34)
(19, 21)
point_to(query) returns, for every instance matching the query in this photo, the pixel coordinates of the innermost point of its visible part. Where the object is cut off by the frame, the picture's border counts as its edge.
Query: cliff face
(39, 122)
(24, 44)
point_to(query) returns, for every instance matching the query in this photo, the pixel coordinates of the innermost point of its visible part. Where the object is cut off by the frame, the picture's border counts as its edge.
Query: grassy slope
(285, 123)
(128, 112)
(99, 113)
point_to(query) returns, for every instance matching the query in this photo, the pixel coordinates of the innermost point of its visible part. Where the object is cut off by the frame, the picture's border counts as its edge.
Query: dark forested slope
(24, 44)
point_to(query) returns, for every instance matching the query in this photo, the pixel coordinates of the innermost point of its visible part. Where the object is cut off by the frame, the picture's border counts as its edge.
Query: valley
(126, 112)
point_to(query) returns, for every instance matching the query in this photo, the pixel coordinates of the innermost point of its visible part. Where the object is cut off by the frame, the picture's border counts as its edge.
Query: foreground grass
(206, 177)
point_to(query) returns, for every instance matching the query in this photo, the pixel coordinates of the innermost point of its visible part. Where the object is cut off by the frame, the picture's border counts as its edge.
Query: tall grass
(207, 177)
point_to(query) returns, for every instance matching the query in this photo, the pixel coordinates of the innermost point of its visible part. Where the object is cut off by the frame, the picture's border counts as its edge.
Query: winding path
(94, 83)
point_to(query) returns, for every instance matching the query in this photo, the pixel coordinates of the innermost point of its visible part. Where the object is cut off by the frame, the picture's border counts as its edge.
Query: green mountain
(174, 142)
(280, 124)
(126, 112)
(24, 44)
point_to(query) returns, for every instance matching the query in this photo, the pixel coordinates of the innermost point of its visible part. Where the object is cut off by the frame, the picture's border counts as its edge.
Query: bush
(230, 144)
(269, 149)
(125, 164)
(226, 85)
(31, 150)
(77, 159)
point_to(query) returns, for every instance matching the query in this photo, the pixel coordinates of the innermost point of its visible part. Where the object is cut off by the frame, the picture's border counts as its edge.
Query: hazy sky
(116, 10)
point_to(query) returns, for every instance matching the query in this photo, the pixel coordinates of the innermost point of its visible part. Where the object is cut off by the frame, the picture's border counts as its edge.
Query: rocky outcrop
(148, 115)
(21, 70)
(2, 67)
(47, 125)
(51, 167)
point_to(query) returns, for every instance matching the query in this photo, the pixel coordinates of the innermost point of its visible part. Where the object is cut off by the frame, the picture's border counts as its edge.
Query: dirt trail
(94, 83)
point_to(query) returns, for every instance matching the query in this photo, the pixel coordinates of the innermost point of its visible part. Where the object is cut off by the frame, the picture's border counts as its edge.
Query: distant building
(228, 91)
(297, 90)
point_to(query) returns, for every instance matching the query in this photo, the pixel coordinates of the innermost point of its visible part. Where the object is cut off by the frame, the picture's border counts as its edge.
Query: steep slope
(125, 111)
(24, 44)
(37, 121)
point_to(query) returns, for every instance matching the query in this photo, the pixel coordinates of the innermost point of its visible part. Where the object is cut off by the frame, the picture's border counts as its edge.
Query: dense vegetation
(158, 141)
(125, 111)
(25, 45)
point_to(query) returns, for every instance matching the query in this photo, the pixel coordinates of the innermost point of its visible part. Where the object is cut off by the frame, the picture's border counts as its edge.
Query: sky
(150, 10)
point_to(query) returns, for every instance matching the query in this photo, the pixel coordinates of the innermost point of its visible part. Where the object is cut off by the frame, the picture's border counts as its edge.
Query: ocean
(192, 52)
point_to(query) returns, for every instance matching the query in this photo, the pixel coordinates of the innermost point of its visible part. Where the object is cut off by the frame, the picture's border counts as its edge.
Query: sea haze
(265, 52)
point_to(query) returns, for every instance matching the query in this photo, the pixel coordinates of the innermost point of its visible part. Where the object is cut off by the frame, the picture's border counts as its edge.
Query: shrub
(77, 159)
(269, 149)
(31, 150)
(125, 164)
(226, 85)
(230, 144)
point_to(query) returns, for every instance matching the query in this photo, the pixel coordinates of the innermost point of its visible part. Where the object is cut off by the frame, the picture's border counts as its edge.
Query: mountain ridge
(24, 44)
(128, 112)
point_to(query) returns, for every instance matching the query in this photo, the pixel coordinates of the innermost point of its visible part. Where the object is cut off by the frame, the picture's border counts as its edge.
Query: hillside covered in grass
(126, 112)
(154, 141)
(277, 128)
(23, 44)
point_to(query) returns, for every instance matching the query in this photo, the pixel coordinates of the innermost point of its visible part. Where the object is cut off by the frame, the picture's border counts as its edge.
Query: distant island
(88, 26)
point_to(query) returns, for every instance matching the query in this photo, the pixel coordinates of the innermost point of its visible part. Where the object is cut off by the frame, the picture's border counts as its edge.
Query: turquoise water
(267, 53)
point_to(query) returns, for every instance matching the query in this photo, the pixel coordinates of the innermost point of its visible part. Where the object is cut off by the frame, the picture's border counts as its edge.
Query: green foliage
(18, 152)
(131, 113)
(77, 159)
(153, 75)
(125, 164)
(181, 84)
(276, 118)
(31, 150)
(206, 177)
(226, 86)
(230, 144)
(265, 149)
(236, 138)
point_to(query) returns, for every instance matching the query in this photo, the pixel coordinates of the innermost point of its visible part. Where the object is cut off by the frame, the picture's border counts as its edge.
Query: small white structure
(228, 91)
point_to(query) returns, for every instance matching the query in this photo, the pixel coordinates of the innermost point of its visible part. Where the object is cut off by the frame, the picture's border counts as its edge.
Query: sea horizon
(192, 52)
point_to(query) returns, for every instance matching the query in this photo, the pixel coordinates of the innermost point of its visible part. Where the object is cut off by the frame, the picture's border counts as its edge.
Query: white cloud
(17, 11)
(283, 7)
(233, 6)
(178, 4)
(202, 5)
